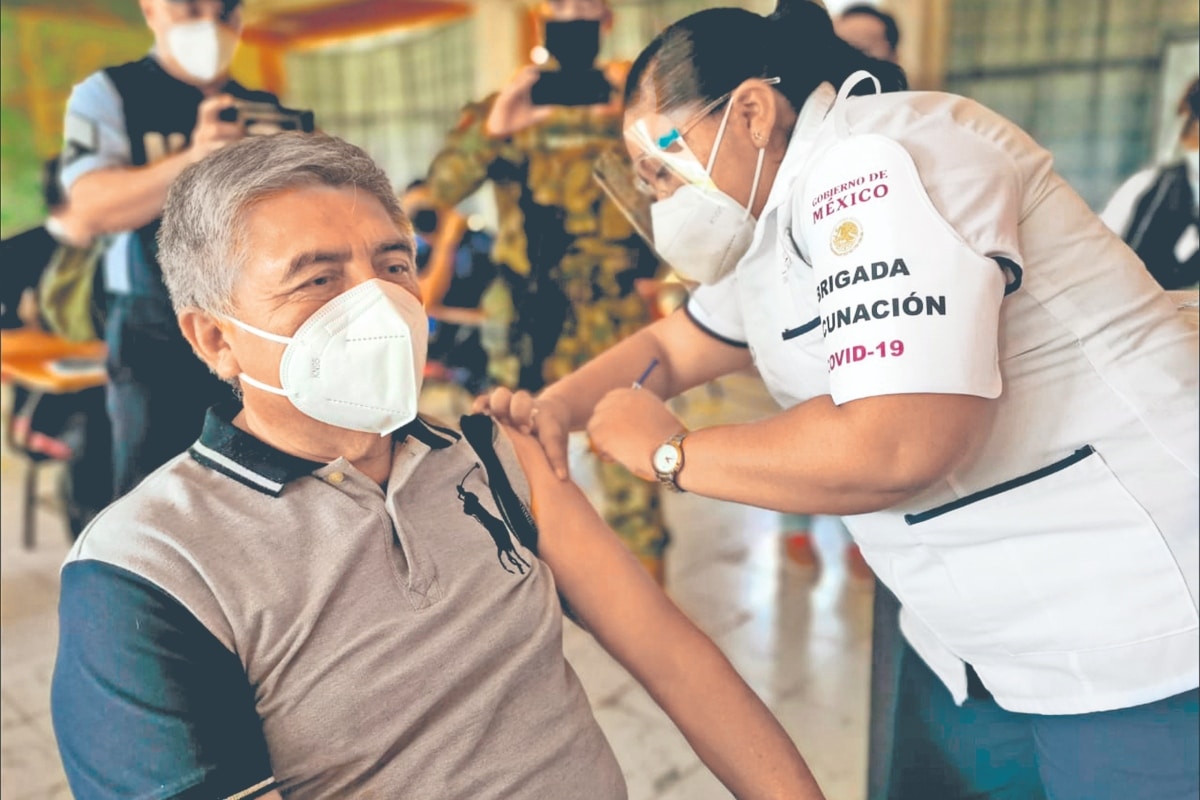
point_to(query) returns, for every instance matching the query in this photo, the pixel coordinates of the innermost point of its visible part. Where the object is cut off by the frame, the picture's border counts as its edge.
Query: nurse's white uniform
(918, 242)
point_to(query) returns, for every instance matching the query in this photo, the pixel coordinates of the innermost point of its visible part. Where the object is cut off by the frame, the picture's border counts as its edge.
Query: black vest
(160, 113)
(1160, 218)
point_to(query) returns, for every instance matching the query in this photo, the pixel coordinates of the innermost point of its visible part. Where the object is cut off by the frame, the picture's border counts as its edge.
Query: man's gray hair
(201, 241)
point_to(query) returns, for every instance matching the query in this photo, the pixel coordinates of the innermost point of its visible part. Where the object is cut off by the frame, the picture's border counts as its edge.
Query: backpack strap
(480, 431)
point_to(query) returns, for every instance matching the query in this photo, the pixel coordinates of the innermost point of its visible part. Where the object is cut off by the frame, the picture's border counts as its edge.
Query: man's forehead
(310, 209)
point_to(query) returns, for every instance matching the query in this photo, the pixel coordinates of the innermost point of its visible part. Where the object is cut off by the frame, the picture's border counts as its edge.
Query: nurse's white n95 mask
(357, 362)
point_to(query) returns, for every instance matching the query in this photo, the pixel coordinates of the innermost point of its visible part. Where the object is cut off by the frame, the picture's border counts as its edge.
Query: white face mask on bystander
(202, 48)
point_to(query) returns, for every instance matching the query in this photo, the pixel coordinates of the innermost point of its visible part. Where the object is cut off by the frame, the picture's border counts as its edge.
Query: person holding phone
(566, 254)
(129, 131)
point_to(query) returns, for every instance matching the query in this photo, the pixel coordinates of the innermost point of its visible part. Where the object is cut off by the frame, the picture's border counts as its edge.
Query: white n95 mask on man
(357, 362)
(204, 49)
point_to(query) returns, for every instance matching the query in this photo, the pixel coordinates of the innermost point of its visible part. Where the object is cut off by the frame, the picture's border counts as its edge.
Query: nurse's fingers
(522, 411)
(495, 403)
(548, 420)
(551, 429)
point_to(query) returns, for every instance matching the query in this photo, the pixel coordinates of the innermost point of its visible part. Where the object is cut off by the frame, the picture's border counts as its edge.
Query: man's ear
(207, 337)
(755, 107)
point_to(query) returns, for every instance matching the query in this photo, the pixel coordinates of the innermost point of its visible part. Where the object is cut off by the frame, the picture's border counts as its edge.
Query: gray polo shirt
(246, 619)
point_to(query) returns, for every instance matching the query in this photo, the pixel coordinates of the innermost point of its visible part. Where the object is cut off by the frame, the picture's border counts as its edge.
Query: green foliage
(67, 40)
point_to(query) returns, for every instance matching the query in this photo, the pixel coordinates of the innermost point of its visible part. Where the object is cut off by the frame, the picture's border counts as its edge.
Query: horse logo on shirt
(846, 237)
(506, 554)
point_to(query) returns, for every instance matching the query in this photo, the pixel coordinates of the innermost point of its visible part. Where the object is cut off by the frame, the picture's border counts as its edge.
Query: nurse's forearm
(618, 366)
(684, 357)
(819, 458)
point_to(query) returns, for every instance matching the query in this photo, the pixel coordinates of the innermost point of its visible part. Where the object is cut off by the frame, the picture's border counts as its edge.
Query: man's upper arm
(94, 135)
(146, 702)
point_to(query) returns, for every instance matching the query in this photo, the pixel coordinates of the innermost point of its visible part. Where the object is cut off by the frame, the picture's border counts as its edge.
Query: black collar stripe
(227, 449)
(450, 433)
(226, 466)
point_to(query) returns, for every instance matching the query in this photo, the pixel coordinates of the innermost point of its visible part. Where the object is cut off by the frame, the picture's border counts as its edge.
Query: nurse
(975, 372)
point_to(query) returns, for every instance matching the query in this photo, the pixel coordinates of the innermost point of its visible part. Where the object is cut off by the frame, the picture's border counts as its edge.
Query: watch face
(666, 459)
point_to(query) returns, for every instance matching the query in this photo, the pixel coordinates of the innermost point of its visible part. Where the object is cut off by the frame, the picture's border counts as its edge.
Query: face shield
(669, 195)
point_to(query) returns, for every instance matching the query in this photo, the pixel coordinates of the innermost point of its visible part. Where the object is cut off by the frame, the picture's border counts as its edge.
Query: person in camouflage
(567, 255)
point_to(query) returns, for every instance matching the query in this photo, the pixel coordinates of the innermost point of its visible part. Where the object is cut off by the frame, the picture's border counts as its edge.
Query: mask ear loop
(274, 337)
(712, 157)
(762, 152)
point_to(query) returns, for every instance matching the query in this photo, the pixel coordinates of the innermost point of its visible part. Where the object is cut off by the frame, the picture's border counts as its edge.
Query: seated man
(329, 596)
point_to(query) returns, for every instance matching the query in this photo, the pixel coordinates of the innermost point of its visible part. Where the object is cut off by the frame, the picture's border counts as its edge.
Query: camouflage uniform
(568, 258)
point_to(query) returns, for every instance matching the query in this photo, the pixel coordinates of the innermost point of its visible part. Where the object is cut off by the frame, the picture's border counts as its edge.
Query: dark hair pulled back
(708, 54)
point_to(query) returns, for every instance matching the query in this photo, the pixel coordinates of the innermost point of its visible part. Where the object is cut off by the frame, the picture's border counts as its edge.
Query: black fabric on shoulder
(432, 436)
(146, 702)
(480, 430)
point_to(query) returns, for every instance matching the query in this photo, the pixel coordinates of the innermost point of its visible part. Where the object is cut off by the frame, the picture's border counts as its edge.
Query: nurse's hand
(545, 417)
(628, 425)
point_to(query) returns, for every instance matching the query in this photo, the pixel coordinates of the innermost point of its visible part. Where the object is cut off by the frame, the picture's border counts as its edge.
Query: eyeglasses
(666, 161)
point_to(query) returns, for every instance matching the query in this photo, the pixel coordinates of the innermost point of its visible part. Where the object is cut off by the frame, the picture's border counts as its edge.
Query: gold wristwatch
(668, 460)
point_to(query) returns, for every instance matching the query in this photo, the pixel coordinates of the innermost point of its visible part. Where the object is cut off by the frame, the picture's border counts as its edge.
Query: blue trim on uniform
(792, 333)
(146, 702)
(1013, 268)
(983, 494)
(710, 331)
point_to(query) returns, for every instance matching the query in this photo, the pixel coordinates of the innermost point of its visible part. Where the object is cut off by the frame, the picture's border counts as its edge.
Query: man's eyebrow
(304, 260)
(396, 245)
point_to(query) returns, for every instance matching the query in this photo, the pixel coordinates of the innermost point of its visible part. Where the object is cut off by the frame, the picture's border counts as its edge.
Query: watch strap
(670, 479)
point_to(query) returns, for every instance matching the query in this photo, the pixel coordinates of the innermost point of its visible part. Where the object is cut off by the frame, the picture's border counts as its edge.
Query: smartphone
(574, 44)
(577, 82)
(261, 119)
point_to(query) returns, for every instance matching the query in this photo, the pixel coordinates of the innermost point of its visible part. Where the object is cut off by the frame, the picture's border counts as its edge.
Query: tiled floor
(801, 641)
